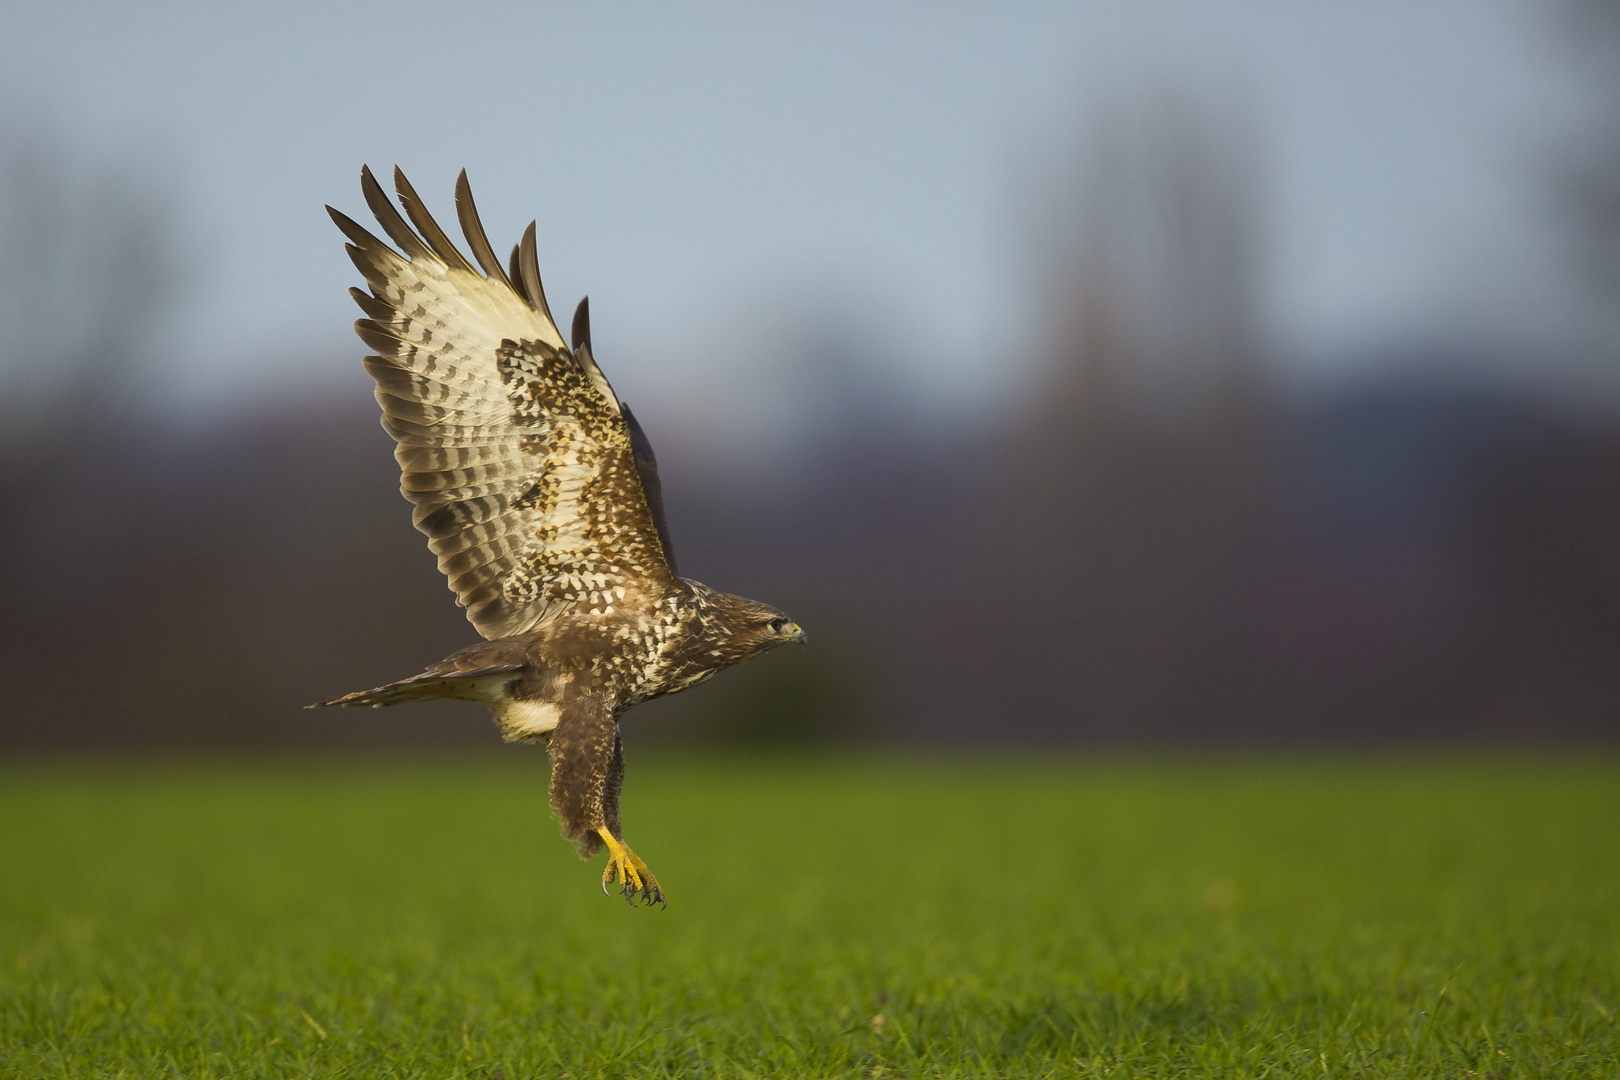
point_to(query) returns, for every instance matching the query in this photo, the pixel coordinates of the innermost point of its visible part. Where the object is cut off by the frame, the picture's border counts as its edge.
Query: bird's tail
(471, 685)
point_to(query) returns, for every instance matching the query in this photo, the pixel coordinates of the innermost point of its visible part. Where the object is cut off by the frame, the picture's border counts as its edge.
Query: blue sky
(710, 172)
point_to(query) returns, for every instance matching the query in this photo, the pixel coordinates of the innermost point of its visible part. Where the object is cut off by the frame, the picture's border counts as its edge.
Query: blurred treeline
(1155, 542)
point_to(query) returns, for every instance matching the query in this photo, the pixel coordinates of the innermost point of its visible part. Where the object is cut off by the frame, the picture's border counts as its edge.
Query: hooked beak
(792, 633)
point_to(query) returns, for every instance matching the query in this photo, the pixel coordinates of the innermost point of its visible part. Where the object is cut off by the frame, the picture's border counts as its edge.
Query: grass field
(828, 917)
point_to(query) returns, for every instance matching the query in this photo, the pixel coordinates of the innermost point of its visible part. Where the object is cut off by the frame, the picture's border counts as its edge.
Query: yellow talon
(631, 873)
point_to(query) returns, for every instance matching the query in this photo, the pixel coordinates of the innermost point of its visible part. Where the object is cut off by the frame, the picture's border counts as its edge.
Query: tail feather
(473, 685)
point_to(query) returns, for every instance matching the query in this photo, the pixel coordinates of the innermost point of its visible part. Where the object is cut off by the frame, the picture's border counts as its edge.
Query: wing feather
(524, 472)
(426, 226)
(652, 487)
(409, 434)
(528, 263)
(473, 229)
(392, 224)
(514, 274)
(369, 304)
(581, 337)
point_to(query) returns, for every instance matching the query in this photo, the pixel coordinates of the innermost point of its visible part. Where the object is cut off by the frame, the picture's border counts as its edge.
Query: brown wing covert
(512, 447)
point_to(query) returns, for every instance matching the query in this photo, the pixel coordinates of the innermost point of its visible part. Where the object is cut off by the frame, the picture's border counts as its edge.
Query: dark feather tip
(515, 276)
(581, 333)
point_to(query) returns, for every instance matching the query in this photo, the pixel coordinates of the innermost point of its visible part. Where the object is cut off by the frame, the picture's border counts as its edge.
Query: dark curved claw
(635, 881)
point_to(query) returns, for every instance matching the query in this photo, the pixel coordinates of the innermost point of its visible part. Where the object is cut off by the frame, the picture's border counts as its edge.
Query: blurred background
(1074, 372)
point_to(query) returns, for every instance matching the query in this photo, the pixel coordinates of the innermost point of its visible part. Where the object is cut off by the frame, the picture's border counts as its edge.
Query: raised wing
(513, 446)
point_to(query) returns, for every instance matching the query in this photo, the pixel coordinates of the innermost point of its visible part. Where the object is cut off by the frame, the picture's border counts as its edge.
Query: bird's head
(781, 630)
(766, 627)
(750, 626)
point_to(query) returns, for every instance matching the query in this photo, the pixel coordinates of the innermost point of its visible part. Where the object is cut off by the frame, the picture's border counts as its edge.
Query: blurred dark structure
(1144, 477)
(1590, 177)
(87, 270)
(1158, 546)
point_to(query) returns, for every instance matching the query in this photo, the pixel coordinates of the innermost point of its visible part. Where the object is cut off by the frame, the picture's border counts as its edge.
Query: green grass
(1133, 918)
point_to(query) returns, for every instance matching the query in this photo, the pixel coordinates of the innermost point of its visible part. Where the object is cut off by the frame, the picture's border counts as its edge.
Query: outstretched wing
(513, 446)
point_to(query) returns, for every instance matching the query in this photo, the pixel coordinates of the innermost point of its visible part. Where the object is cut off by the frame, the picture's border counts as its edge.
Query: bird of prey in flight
(539, 494)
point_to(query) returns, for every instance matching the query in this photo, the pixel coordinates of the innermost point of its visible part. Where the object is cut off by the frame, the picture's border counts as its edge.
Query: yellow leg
(632, 874)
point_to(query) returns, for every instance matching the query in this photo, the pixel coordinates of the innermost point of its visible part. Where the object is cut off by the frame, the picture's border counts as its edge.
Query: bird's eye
(777, 624)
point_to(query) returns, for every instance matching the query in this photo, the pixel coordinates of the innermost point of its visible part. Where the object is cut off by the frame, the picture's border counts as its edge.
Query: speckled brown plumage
(539, 493)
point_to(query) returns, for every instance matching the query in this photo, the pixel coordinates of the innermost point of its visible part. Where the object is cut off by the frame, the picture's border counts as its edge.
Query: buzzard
(539, 493)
